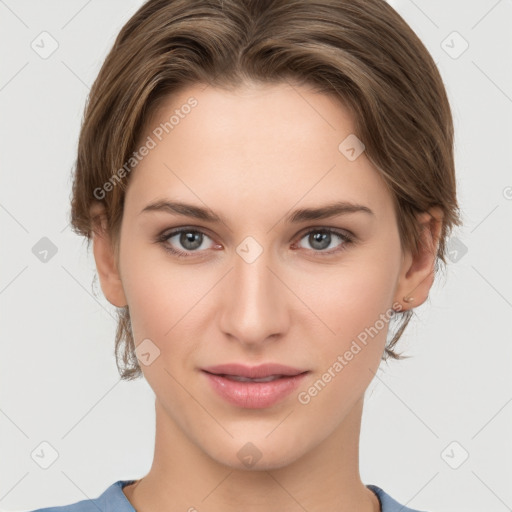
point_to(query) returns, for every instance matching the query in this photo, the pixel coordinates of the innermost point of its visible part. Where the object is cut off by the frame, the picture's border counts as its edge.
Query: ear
(417, 271)
(104, 256)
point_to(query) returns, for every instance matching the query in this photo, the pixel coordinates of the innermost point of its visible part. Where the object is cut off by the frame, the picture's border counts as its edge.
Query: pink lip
(254, 395)
(253, 372)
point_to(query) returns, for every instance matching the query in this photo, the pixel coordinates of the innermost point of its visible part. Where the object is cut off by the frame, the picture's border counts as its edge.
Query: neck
(182, 477)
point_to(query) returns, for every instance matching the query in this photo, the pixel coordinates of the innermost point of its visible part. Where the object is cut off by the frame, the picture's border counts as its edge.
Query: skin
(253, 155)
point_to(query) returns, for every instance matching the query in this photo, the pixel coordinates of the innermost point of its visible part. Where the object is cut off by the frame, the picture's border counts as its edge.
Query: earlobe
(417, 272)
(104, 257)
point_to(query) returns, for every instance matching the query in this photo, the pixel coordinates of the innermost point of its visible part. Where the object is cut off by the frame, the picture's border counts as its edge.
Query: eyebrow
(304, 214)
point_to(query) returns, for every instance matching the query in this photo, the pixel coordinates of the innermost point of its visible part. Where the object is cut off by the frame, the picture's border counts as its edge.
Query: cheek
(355, 307)
(353, 296)
(159, 293)
(354, 302)
(167, 306)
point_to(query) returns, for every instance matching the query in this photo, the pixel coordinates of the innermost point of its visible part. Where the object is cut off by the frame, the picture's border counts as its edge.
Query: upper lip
(253, 372)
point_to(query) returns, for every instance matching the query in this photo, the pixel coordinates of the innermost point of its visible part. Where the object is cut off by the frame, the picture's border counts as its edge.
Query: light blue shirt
(114, 500)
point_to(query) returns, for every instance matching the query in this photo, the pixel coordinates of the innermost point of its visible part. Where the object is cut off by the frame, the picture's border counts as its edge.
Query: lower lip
(254, 395)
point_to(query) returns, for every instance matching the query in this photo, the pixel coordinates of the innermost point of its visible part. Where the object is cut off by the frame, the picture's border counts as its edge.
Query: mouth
(240, 378)
(262, 371)
(254, 387)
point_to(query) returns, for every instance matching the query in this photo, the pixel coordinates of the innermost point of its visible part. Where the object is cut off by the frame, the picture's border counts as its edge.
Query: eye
(321, 239)
(187, 238)
(191, 240)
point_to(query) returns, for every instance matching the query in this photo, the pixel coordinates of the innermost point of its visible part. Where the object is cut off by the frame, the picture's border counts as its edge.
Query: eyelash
(165, 236)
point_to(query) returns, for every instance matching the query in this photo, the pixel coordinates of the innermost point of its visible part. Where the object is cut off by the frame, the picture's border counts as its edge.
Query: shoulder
(388, 504)
(112, 499)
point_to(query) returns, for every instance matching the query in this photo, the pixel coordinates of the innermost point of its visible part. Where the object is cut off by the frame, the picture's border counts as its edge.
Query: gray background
(59, 383)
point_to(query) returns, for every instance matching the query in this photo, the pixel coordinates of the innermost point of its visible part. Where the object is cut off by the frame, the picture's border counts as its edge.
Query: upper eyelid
(168, 234)
(336, 231)
(204, 231)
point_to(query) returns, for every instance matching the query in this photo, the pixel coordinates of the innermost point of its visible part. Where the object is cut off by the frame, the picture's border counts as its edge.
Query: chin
(260, 455)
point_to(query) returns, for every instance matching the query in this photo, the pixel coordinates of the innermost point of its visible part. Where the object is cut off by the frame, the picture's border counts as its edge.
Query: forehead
(278, 143)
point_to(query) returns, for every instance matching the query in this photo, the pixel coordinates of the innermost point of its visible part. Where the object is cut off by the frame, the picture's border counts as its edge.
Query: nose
(254, 302)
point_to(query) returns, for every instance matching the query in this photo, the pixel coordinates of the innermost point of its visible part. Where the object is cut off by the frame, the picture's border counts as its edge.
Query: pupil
(318, 238)
(187, 240)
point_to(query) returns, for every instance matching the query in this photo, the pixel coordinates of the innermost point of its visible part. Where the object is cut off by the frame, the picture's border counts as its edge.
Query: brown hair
(360, 51)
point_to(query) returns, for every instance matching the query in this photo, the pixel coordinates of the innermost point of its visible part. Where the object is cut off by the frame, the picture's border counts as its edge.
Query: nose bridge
(254, 306)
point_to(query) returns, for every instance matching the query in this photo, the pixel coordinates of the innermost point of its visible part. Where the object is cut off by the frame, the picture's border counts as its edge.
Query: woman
(269, 186)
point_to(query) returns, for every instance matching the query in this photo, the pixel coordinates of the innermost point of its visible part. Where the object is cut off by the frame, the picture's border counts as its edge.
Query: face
(260, 284)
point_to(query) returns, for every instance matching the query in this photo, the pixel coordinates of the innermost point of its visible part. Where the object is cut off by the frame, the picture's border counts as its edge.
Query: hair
(361, 52)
